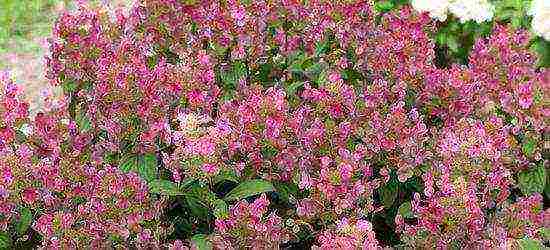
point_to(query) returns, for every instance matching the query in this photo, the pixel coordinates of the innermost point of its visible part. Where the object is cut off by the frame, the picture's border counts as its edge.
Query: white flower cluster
(477, 10)
(540, 10)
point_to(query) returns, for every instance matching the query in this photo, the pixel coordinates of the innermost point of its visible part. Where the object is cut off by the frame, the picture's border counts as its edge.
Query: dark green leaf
(285, 190)
(226, 175)
(388, 193)
(532, 180)
(24, 221)
(197, 206)
(165, 187)
(144, 165)
(147, 167)
(5, 240)
(249, 188)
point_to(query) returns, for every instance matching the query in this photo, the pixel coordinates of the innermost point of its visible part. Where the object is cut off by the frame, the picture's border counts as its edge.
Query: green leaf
(249, 188)
(405, 210)
(529, 244)
(383, 6)
(285, 190)
(201, 242)
(545, 233)
(453, 43)
(441, 38)
(532, 180)
(388, 193)
(547, 188)
(529, 146)
(197, 206)
(69, 86)
(144, 165)
(24, 221)
(147, 167)
(226, 175)
(5, 240)
(165, 187)
(231, 77)
(293, 88)
(83, 122)
(221, 209)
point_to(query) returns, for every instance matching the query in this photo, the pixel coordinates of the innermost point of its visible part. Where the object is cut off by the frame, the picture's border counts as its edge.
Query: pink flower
(210, 169)
(29, 195)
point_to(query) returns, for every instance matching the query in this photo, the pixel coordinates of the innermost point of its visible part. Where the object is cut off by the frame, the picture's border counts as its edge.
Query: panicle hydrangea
(320, 96)
(49, 171)
(467, 179)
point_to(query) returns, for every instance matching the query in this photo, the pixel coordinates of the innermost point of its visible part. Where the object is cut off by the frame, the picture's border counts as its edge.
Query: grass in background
(23, 20)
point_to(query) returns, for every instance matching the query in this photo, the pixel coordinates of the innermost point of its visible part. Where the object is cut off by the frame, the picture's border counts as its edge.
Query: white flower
(26, 129)
(465, 10)
(477, 10)
(436, 8)
(540, 10)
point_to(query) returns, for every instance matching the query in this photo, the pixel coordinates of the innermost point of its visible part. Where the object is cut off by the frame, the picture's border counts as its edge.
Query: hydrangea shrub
(276, 124)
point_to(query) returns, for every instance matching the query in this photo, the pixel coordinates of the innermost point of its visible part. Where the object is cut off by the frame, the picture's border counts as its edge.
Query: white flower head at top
(477, 10)
(436, 8)
(465, 10)
(540, 10)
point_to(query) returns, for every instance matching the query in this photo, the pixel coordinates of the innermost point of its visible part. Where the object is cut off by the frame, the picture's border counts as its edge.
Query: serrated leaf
(532, 180)
(24, 221)
(201, 242)
(5, 240)
(405, 210)
(249, 188)
(165, 187)
(128, 164)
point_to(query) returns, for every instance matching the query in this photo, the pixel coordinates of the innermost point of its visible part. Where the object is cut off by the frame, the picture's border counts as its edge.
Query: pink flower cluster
(329, 101)
(249, 225)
